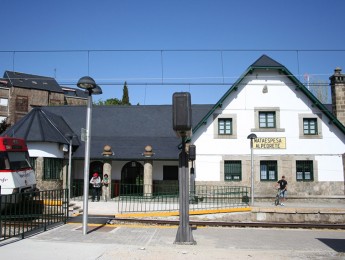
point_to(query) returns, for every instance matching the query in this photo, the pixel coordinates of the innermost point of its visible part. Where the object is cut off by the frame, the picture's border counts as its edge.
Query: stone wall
(35, 98)
(45, 184)
(338, 94)
(294, 188)
(72, 101)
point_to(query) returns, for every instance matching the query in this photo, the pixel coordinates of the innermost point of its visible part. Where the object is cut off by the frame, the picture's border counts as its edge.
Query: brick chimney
(338, 94)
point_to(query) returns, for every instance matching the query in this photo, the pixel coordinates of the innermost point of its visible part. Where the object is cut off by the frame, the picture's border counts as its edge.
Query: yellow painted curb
(52, 202)
(176, 213)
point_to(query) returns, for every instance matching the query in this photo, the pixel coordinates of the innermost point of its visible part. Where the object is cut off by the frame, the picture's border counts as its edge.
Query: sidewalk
(105, 242)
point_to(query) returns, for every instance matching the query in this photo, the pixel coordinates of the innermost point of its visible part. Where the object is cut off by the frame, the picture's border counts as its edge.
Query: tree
(116, 101)
(4, 126)
(109, 102)
(125, 97)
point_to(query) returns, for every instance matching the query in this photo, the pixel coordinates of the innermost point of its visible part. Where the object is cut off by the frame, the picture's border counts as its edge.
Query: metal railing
(26, 213)
(166, 198)
(77, 191)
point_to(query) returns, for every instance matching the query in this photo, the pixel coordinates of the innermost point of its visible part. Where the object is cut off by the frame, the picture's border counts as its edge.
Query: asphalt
(132, 241)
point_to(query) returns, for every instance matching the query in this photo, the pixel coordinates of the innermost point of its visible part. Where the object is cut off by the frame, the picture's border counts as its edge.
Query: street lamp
(69, 186)
(252, 137)
(91, 87)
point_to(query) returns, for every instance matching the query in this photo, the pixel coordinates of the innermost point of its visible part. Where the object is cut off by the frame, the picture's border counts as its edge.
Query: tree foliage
(116, 101)
(4, 126)
(125, 97)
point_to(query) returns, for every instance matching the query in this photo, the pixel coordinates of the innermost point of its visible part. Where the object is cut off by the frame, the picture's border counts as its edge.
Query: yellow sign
(269, 143)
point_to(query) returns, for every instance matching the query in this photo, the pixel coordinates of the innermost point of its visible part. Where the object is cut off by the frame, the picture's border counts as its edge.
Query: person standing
(105, 189)
(96, 186)
(282, 183)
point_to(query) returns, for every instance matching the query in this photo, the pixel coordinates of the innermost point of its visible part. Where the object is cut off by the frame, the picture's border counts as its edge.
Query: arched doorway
(96, 166)
(132, 178)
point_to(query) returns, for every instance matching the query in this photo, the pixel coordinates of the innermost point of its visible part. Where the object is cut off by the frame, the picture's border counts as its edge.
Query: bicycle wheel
(276, 202)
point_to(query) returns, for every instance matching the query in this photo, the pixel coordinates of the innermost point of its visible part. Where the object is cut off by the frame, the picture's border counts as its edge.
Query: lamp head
(97, 90)
(86, 83)
(252, 136)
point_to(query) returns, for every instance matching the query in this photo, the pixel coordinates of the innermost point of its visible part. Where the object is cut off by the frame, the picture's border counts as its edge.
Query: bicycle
(277, 198)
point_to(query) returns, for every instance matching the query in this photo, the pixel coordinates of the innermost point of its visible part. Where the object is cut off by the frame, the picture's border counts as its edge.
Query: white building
(296, 136)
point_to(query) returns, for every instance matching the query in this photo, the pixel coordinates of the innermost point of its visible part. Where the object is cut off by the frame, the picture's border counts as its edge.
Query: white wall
(330, 168)
(40, 149)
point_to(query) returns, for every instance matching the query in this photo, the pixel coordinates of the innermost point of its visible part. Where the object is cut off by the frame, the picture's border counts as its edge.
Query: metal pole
(252, 173)
(69, 186)
(87, 163)
(184, 233)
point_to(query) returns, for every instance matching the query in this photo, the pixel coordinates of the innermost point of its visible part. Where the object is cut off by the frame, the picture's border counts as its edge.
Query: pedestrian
(96, 186)
(282, 183)
(105, 187)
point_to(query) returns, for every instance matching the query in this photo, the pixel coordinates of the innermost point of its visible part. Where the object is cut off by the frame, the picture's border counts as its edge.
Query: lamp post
(69, 186)
(252, 137)
(91, 87)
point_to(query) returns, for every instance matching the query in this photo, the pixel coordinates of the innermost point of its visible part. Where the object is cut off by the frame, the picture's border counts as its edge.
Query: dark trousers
(96, 192)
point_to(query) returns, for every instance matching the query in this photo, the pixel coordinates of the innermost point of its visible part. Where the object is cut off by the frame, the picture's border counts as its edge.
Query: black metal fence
(166, 198)
(27, 213)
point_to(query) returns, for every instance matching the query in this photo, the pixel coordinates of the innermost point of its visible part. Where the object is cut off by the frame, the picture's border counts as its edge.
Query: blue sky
(147, 42)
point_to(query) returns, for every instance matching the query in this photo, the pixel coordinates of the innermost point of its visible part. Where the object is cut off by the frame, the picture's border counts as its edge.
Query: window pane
(263, 170)
(52, 168)
(268, 170)
(225, 126)
(304, 170)
(270, 120)
(272, 175)
(232, 170)
(267, 119)
(310, 126)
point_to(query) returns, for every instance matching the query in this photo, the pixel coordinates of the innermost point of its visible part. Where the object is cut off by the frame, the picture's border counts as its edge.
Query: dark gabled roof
(42, 126)
(128, 129)
(74, 92)
(22, 80)
(3, 82)
(265, 62)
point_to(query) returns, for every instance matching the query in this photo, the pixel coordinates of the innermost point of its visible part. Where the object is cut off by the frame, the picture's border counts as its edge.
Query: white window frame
(318, 118)
(233, 118)
(257, 128)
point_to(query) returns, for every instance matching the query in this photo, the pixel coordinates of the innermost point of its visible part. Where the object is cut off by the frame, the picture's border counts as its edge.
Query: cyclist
(282, 183)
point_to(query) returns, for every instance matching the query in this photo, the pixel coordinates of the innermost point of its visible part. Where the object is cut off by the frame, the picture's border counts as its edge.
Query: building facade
(20, 92)
(296, 135)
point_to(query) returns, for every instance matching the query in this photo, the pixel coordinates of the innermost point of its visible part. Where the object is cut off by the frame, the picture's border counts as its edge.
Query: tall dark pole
(184, 233)
(252, 137)
(91, 87)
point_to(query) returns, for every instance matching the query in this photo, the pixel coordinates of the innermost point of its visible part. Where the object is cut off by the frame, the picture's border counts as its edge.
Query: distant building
(20, 92)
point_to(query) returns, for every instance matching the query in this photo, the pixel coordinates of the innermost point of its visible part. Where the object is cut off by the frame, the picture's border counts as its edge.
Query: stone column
(107, 153)
(39, 173)
(107, 170)
(148, 168)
